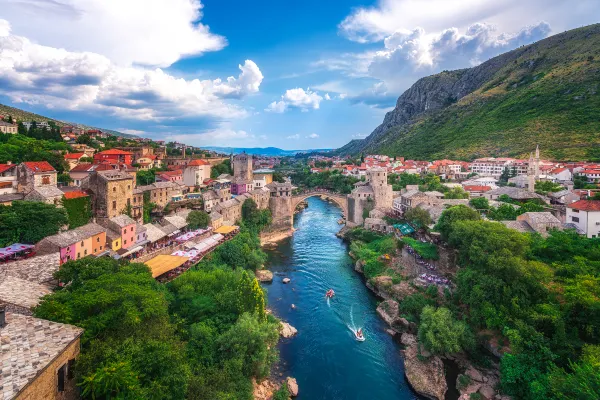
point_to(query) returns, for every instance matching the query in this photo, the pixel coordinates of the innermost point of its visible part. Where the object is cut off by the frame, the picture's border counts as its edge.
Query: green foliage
(326, 180)
(400, 181)
(79, 211)
(243, 251)
(412, 306)
(282, 393)
(440, 333)
(456, 193)
(145, 177)
(371, 253)
(203, 336)
(426, 250)
(255, 218)
(223, 168)
(504, 212)
(418, 217)
(453, 214)
(148, 207)
(582, 382)
(29, 222)
(480, 203)
(363, 235)
(18, 148)
(545, 187)
(198, 219)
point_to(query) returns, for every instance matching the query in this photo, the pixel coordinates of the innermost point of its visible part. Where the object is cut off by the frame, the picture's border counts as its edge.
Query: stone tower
(242, 166)
(536, 165)
(382, 192)
(531, 174)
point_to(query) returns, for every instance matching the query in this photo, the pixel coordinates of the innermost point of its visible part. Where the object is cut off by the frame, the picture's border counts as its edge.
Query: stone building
(375, 192)
(112, 192)
(242, 166)
(280, 204)
(261, 197)
(6, 127)
(161, 193)
(37, 180)
(38, 358)
(195, 172)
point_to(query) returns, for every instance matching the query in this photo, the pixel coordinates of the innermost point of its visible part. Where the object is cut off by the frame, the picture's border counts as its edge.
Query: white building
(195, 172)
(483, 181)
(491, 166)
(585, 215)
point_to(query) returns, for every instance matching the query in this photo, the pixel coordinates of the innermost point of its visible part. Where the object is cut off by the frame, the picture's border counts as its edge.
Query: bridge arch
(339, 199)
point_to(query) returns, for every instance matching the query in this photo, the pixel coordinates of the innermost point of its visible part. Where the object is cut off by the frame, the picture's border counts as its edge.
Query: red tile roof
(82, 167)
(74, 156)
(75, 194)
(558, 170)
(586, 205)
(172, 173)
(39, 166)
(114, 151)
(6, 167)
(476, 188)
(197, 163)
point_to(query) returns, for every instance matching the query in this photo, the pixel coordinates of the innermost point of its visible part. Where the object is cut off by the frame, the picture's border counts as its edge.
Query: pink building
(76, 243)
(125, 227)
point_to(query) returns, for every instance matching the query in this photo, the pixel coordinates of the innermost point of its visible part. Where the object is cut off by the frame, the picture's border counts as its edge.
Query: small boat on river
(358, 334)
(330, 293)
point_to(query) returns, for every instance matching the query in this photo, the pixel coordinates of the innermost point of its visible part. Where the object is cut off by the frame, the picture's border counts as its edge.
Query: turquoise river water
(324, 357)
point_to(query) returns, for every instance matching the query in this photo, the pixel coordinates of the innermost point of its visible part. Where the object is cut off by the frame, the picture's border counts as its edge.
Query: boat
(359, 335)
(330, 293)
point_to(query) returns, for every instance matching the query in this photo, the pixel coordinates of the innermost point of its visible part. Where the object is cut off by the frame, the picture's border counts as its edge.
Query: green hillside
(22, 115)
(546, 94)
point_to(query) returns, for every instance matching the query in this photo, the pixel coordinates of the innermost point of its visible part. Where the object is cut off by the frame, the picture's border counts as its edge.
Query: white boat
(359, 337)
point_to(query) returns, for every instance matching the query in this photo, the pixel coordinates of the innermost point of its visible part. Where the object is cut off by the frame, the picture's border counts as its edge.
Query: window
(124, 231)
(82, 242)
(98, 239)
(61, 378)
(70, 369)
(131, 229)
(114, 204)
(575, 219)
(114, 189)
(46, 180)
(85, 252)
(100, 247)
(78, 255)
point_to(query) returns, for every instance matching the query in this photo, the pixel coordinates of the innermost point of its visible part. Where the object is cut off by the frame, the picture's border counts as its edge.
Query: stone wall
(45, 385)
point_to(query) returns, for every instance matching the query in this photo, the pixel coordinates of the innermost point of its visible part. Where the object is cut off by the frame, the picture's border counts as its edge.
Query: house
(262, 177)
(39, 357)
(121, 227)
(112, 192)
(514, 193)
(408, 200)
(148, 161)
(540, 222)
(563, 197)
(482, 181)
(161, 193)
(83, 148)
(37, 180)
(476, 190)
(171, 176)
(8, 178)
(195, 172)
(8, 128)
(89, 239)
(378, 225)
(114, 156)
(73, 159)
(585, 215)
(561, 174)
(241, 186)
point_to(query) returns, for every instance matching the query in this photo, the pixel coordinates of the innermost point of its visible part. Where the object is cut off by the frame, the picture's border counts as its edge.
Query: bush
(426, 250)
(282, 393)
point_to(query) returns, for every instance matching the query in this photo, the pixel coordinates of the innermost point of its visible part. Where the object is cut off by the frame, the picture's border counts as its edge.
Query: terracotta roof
(83, 167)
(39, 166)
(29, 345)
(586, 205)
(74, 156)
(197, 163)
(113, 152)
(75, 194)
(6, 167)
(476, 188)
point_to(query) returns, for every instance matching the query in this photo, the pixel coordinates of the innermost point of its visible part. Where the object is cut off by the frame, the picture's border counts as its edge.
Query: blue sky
(296, 75)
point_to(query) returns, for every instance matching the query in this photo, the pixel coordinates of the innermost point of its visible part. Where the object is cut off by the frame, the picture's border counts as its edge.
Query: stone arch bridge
(339, 199)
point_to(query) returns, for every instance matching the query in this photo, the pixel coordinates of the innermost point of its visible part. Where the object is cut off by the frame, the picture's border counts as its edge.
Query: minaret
(537, 162)
(531, 174)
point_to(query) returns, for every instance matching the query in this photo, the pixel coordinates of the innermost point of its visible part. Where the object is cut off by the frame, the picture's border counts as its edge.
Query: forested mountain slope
(546, 93)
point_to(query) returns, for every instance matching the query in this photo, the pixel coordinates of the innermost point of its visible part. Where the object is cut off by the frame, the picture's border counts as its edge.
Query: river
(324, 357)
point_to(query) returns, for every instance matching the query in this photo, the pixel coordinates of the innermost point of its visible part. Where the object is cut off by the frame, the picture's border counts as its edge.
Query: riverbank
(397, 277)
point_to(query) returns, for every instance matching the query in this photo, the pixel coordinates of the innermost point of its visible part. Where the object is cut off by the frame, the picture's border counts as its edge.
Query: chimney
(2, 315)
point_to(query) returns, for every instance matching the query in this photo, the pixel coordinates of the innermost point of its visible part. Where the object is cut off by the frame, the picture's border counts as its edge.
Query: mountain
(21, 115)
(546, 93)
(261, 151)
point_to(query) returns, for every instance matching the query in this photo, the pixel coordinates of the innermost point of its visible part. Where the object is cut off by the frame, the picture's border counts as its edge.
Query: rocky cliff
(540, 93)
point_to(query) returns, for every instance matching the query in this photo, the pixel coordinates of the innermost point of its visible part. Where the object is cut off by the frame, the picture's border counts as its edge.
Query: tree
(440, 333)
(505, 212)
(453, 214)
(29, 222)
(198, 219)
(251, 298)
(480, 203)
(456, 193)
(418, 217)
(79, 211)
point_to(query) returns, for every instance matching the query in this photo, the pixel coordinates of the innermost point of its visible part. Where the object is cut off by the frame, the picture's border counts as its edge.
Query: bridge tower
(383, 194)
(242, 167)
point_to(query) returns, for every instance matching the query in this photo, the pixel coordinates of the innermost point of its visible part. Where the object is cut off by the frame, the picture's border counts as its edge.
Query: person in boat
(359, 333)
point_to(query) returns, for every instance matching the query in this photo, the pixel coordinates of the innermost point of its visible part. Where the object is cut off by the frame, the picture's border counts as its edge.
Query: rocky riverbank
(426, 372)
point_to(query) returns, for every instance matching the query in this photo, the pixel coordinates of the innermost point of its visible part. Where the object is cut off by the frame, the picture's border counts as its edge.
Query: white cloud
(296, 98)
(327, 97)
(312, 136)
(224, 135)
(294, 137)
(135, 132)
(57, 78)
(370, 24)
(149, 32)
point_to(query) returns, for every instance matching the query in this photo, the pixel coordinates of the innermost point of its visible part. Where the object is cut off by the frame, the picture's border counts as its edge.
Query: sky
(291, 74)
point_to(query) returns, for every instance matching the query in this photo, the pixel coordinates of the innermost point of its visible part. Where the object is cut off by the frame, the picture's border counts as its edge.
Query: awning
(165, 263)
(225, 229)
(173, 233)
(132, 250)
